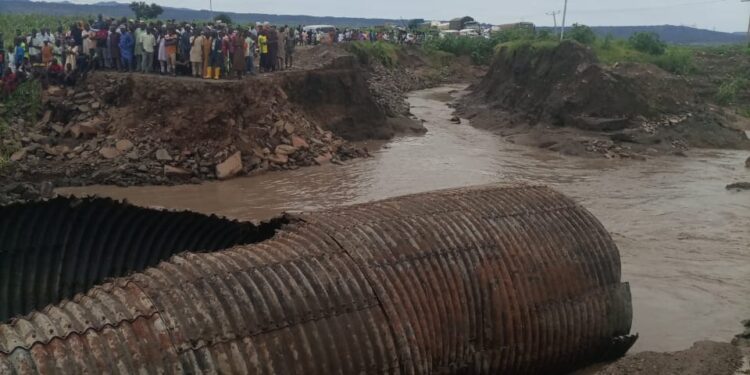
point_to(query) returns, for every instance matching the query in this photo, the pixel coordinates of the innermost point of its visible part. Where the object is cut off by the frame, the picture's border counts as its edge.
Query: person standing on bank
(148, 41)
(196, 54)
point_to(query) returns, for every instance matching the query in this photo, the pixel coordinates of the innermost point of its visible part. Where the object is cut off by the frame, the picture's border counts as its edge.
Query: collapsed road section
(493, 279)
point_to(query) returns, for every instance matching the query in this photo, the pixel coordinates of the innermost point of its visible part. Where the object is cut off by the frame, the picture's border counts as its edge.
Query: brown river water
(684, 239)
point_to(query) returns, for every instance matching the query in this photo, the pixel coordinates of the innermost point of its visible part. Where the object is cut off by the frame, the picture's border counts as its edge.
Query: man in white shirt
(148, 42)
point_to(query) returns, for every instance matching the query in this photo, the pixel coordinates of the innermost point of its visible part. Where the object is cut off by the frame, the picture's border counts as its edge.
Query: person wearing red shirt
(9, 83)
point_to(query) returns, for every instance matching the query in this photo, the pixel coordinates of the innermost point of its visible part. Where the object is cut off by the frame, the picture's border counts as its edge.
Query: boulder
(739, 186)
(109, 152)
(288, 128)
(299, 142)
(278, 158)
(163, 155)
(324, 158)
(56, 150)
(45, 119)
(84, 129)
(747, 163)
(285, 150)
(171, 171)
(230, 167)
(18, 155)
(124, 145)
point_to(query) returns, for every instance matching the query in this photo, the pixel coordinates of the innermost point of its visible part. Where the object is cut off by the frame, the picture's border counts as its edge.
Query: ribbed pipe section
(495, 279)
(54, 249)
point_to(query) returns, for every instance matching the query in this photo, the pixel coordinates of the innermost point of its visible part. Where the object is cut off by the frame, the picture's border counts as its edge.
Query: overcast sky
(721, 15)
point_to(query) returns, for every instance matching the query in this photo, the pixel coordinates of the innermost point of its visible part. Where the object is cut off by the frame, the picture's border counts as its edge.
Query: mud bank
(561, 98)
(133, 129)
(703, 358)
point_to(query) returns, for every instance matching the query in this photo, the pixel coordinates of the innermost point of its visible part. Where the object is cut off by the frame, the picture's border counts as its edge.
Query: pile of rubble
(389, 88)
(110, 131)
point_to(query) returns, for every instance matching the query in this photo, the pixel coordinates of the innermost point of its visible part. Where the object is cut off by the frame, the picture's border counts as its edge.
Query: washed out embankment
(558, 96)
(133, 129)
(521, 279)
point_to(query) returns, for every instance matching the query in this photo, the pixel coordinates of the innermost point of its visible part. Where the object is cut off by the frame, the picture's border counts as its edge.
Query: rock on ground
(230, 167)
(739, 186)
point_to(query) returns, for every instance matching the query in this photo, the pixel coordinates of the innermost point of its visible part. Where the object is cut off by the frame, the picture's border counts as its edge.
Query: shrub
(582, 34)
(676, 60)
(515, 33)
(479, 49)
(649, 43)
(729, 90)
(366, 52)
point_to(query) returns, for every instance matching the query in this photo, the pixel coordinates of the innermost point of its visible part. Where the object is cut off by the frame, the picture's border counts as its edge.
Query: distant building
(461, 23)
(521, 25)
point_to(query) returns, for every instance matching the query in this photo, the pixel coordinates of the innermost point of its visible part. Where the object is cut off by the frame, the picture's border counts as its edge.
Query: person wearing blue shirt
(126, 49)
(19, 54)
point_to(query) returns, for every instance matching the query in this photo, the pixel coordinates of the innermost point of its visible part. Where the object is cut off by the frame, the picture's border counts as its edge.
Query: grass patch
(26, 103)
(675, 59)
(730, 89)
(535, 45)
(480, 49)
(366, 52)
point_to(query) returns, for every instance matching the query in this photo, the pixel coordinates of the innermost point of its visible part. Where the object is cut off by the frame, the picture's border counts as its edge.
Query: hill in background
(114, 9)
(674, 34)
(670, 34)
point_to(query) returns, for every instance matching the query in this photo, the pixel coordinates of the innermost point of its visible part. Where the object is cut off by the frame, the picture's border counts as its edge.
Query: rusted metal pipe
(52, 250)
(494, 279)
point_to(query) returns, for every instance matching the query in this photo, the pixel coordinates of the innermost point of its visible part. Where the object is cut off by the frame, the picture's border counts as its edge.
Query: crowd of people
(210, 51)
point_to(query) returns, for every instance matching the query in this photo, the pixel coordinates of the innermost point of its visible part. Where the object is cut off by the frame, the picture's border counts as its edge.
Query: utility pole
(565, 14)
(211, 8)
(554, 14)
(748, 27)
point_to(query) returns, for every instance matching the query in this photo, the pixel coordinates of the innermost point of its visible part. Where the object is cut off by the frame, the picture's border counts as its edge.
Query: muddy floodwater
(684, 239)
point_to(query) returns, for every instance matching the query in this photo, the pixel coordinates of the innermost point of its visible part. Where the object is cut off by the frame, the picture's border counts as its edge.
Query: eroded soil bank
(134, 129)
(561, 98)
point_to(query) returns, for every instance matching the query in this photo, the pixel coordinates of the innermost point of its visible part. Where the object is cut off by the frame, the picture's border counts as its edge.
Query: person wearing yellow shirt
(263, 47)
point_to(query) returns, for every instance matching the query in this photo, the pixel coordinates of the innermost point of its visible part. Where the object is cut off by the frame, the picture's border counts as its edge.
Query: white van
(319, 28)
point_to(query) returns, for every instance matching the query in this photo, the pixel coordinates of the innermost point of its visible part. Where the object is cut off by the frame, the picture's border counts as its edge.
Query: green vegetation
(582, 34)
(24, 23)
(386, 53)
(730, 89)
(641, 48)
(480, 50)
(25, 102)
(224, 18)
(145, 11)
(674, 59)
(648, 43)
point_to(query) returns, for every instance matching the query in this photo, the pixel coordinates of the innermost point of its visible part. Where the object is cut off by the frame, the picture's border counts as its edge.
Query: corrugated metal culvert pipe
(51, 250)
(495, 279)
